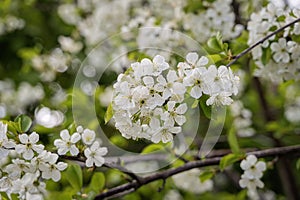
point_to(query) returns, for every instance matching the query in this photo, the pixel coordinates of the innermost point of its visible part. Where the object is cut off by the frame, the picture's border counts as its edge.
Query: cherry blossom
(28, 145)
(67, 143)
(94, 155)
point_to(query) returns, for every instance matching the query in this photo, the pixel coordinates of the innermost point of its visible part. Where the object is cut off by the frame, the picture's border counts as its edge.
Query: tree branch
(260, 42)
(134, 185)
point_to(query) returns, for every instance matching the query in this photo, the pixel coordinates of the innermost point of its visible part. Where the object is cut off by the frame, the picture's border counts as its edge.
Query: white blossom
(88, 136)
(67, 143)
(94, 155)
(5, 143)
(28, 145)
(51, 169)
(190, 181)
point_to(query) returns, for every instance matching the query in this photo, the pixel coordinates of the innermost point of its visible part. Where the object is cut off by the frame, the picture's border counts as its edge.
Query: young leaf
(298, 164)
(229, 160)
(206, 175)
(233, 142)
(109, 113)
(152, 148)
(266, 56)
(214, 44)
(97, 182)
(205, 108)
(24, 122)
(195, 103)
(74, 176)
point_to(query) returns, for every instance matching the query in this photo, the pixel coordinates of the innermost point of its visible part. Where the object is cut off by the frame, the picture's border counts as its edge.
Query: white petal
(275, 47)
(89, 162)
(192, 58)
(251, 159)
(64, 134)
(62, 151)
(244, 183)
(87, 152)
(156, 137)
(261, 166)
(172, 76)
(202, 61)
(196, 92)
(74, 150)
(148, 81)
(55, 175)
(99, 161)
(101, 151)
(167, 137)
(180, 119)
(46, 174)
(181, 109)
(38, 148)
(20, 148)
(23, 138)
(61, 166)
(75, 137)
(28, 154)
(175, 129)
(34, 137)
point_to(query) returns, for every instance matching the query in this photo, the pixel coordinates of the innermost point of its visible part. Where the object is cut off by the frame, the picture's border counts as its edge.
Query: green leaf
(97, 183)
(266, 56)
(152, 148)
(13, 127)
(298, 164)
(233, 142)
(4, 196)
(24, 122)
(215, 57)
(74, 176)
(205, 108)
(229, 160)
(214, 44)
(195, 103)
(206, 175)
(109, 113)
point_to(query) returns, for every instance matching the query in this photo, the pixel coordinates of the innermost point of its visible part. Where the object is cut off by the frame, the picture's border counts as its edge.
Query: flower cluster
(192, 182)
(10, 23)
(83, 140)
(241, 119)
(218, 83)
(292, 104)
(253, 171)
(149, 96)
(277, 58)
(15, 100)
(30, 163)
(25, 163)
(148, 101)
(218, 17)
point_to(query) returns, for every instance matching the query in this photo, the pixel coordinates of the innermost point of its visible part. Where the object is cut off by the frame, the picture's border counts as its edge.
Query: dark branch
(163, 175)
(261, 41)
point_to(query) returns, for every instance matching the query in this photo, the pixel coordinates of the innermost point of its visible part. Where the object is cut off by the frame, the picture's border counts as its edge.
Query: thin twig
(260, 42)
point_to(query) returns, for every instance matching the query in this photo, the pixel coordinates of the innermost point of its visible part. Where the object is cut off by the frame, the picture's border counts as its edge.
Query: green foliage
(109, 113)
(233, 142)
(96, 184)
(229, 160)
(298, 164)
(206, 175)
(216, 44)
(24, 123)
(205, 109)
(153, 148)
(74, 176)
